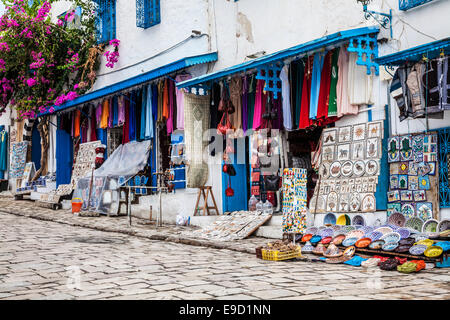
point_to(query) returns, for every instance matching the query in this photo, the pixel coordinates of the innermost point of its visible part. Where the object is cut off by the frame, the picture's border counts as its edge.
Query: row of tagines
(388, 238)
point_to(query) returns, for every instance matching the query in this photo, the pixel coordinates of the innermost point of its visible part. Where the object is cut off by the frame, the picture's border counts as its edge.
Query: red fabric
(304, 121)
(93, 127)
(126, 125)
(401, 260)
(324, 92)
(420, 264)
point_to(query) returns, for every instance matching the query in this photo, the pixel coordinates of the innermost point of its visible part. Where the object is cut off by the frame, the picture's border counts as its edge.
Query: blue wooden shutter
(444, 162)
(106, 20)
(148, 13)
(409, 4)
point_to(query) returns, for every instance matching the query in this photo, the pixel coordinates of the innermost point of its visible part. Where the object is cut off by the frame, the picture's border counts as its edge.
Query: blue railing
(148, 13)
(409, 4)
(106, 20)
(444, 162)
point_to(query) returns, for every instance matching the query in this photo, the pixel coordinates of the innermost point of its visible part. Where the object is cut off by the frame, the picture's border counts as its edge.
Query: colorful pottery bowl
(377, 244)
(337, 240)
(315, 239)
(403, 232)
(350, 251)
(418, 249)
(389, 246)
(349, 242)
(445, 245)
(307, 248)
(403, 248)
(426, 242)
(408, 240)
(433, 252)
(326, 240)
(319, 249)
(363, 243)
(307, 237)
(391, 237)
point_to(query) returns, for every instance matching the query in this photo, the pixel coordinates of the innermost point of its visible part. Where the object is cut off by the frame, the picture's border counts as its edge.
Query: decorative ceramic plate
(362, 243)
(368, 203)
(338, 239)
(347, 169)
(358, 168)
(418, 250)
(315, 239)
(371, 167)
(408, 210)
(367, 229)
(359, 220)
(311, 230)
(336, 228)
(350, 251)
(445, 245)
(335, 169)
(355, 202)
(393, 227)
(397, 219)
(347, 228)
(307, 248)
(409, 241)
(324, 170)
(431, 225)
(384, 230)
(426, 242)
(391, 237)
(419, 236)
(414, 223)
(404, 232)
(329, 219)
(349, 242)
(403, 248)
(332, 201)
(433, 252)
(377, 244)
(433, 235)
(444, 225)
(326, 240)
(307, 237)
(375, 235)
(327, 232)
(355, 234)
(389, 246)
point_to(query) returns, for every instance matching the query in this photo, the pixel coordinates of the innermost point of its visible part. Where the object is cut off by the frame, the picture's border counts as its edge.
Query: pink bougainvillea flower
(71, 95)
(51, 109)
(60, 23)
(4, 46)
(114, 42)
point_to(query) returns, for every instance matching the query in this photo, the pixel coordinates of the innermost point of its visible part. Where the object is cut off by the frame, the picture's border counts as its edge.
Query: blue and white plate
(367, 229)
(404, 232)
(307, 248)
(389, 246)
(349, 242)
(327, 232)
(391, 237)
(374, 235)
(418, 249)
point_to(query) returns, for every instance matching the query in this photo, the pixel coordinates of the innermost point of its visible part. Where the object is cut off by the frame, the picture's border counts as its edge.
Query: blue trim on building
(140, 79)
(409, 4)
(302, 49)
(430, 50)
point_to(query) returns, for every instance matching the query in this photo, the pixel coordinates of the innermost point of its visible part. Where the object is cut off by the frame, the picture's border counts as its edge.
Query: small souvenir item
(359, 132)
(315, 239)
(359, 220)
(329, 219)
(332, 201)
(423, 168)
(419, 195)
(338, 239)
(344, 202)
(355, 202)
(343, 152)
(328, 153)
(374, 129)
(324, 170)
(406, 195)
(424, 210)
(329, 136)
(403, 181)
(372, 146)
(390, 246)
(430, 147)
(393, 208)
(368, 203)
(393, 196)
(405, 148)
(345, 134)
(350, 251)
(326, 232)
(427, 242)
(377, 244)
(357, 150)
(307, 248)
(418, 249)
(363, 243)
(408, 210)
(413, 183)
(404, 233)
(332, 251)
(417, 146)
(358, 168)
(319, 249)
(391, 237)
(384, 230)
(432, 166)
(393, 182)
(335, 169)
(404, 168)
(326, 240)
(371, 167)
(414, 223)
(397, 219)
(349, 242)
(393, 149)
(412, 168)
(424, 183)
(347, 169)
(430, 225)
(444, 225)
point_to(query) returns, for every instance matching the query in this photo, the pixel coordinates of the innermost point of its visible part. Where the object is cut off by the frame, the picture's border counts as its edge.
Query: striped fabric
(28, 129)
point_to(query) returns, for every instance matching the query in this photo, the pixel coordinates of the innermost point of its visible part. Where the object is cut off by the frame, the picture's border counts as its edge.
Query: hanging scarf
(170, 95)
(126, 124)
(121, 110)
(93, 126)
(144, 119)
(105, 115)
(148, 130)
(115, 112)
(132, 117)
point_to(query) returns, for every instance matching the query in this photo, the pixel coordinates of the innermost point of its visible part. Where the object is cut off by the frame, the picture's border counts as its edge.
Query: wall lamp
(384, 19)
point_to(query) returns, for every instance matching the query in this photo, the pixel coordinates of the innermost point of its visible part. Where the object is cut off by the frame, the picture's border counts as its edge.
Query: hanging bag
(272, 183)
(224, 124)
(229, 192)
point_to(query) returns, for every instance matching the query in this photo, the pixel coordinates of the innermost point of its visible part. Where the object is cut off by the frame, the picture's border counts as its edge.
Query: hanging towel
(251, 101)
(155, 98)
(343, 103)
(98, 114)
(143, 113)
(235, 97)
(76, 124)
(148, 130)
(111, 114)
(169, 123)
(132, 117)
(115, 108)
(286, 97)
(105, 115)
(165, 109)
(304, 121)
(324, 91)
(93, 136)
(244, 103)
(319, 59)
(180, 100)
(332, 101)
(160, 101)
(121, 110)
(126, 125)
(260, 104)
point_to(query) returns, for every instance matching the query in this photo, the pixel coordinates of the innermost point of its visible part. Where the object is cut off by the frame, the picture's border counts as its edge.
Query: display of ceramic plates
(324, 171)
(431, 225)
(403, 248)
(343, 220)
(332, 252)
(414, 223)
(368, 203)
(329, 219)
(397, 219)
(315, 239)
(384, 230)
(311, 230)
(419, 236)
(307, 237)
(391, 237)
(355, 234)
(377, 244)
(337, 240)
(326, 240)
(307, 248)
(335, 169)
(409, 241)
(350, 251)
(371, 167)
(358, 220)
(375, 235)
(336, 228)
(367, 229)
(404, 233)
(390, 246)
(444, 225)
(347, 169)
(433, 252)
(349, 242)
(418, 250)
(347, 228)
(327, 232)
(319, 249)
(426, 242)
(445, 245)
(363, 242)
(358, 168)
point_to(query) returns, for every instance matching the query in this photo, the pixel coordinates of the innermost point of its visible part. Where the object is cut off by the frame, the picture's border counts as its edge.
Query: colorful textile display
(18, 159)
(3, 150)
(294, 200)
(196, 123)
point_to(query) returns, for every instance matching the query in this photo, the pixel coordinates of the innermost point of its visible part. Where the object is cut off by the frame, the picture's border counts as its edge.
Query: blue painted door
(64, 157)
(36, 147)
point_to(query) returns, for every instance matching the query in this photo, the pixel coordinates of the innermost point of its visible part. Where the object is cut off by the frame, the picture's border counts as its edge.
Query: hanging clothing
(170, 97)
(319, 59)
(415, 88)
(160, 100)
(138, 113)
(180, 100)
(126, 125)
(3, 150)
(436, 83)
(98, 114)
(143, 118)
(304, 120)
(165, 110)
(332, 101)
(132, 116)
(359, 83)
(148, 114)
(236, 100)
(115, 108)
(260, 104)
(111, 113)
(155, 98)
(244, 104)
(324, 91)
(343, 104)
(93, 126)
(105, 115)
(121, 110)
(251, 100)
(297, 74)
(286, 98)
(76, 124)
(214, 104)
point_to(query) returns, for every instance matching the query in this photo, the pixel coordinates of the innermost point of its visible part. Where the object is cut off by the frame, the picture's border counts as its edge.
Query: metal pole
(129, 206)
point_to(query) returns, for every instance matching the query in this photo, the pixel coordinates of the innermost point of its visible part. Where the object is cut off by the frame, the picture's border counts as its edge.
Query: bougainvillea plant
(44, 60)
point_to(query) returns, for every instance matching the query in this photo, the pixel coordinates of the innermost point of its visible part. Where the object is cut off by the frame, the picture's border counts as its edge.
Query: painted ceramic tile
(403, 181)
(419, 195)
(394, 168)
(406, 195)
(430, 147)
(403, 169)
(345, 134)
(355, 202)
(359, 132)
(413, 183)
(424, 210)
(328, 153)
(395, 207)
(412, 168)
(393, 182)
(371, 187)
(332, 202)
(423, 168)
(417, 146)
(368, 203)
(344, 202)
(406, 153)
(424, 182)
(358, 150)
(372, 167)
(329, 136)
(375, 129)
(393, 149)
(393, 196)
(343, 152)
(408, 210)
(432, 168)
(372, 148)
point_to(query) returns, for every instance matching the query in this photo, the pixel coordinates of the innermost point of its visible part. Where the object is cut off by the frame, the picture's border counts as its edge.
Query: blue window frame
(444, 167)
(106, 20)
(148, 13)
(409, 4)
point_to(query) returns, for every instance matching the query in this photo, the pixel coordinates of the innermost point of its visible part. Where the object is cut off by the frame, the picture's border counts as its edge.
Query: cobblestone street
(48, 260)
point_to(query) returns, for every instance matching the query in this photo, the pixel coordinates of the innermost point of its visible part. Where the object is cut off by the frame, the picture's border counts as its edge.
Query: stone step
(270, 232)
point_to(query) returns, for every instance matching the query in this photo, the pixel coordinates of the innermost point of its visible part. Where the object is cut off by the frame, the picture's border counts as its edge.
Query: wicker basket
(258, 252)
(275, 255)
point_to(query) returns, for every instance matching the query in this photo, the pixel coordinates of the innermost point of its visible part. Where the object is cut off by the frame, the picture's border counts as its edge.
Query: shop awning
(140, 79)
(430, 50)
(326, 42)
